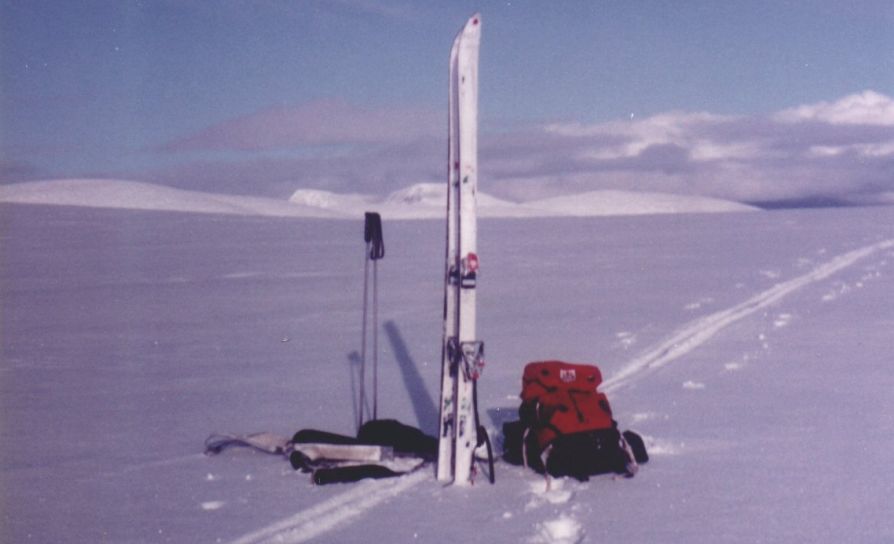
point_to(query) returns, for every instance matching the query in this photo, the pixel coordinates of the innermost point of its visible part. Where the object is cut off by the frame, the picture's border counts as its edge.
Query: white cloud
(832, 151)
(708, 150)
(841, 150)
(866, 108)
(880, 149)
(877, 150)
(636, 135)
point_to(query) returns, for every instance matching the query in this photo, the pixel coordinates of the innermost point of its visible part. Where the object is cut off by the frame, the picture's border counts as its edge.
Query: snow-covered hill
(420, 201)
(104, 193)
(427, 201)
(604, 203)
(316, 198)
(753, 351)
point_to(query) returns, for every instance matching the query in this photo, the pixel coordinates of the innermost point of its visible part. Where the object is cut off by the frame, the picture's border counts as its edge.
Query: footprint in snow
(639, 417)
(626, 339)
(660, 447)
(838, 289)
(562, 530)
(782, 320)
(552, 491)
(698, 304)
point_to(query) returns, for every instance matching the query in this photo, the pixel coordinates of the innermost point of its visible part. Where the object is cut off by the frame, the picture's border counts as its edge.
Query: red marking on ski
(472, 262)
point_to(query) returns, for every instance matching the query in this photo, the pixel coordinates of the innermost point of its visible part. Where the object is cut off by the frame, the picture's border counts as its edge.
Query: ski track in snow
(697, 332)
(334, 512)
(347, 506)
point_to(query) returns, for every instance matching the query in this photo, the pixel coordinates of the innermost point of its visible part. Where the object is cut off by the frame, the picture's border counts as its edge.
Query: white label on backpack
(567, 375)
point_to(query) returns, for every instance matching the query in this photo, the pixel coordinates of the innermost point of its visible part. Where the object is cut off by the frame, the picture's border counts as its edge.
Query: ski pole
(375, 250)
(362, 381)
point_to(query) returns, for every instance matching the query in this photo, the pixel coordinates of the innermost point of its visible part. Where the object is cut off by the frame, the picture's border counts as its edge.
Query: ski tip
(474, 23)
(472, 27)
(470, 33)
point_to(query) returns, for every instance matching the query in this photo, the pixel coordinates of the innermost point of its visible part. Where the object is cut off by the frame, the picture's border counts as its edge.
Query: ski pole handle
(372, 234)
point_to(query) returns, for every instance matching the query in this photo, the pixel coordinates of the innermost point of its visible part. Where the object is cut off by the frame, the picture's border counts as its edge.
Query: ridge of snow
(106, 193)
(427, 201)
(430, 194)
(319, 198)
(613, 202)
(419, 201)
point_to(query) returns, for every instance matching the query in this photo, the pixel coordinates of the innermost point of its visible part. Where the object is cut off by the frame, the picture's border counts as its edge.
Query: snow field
(129, 336)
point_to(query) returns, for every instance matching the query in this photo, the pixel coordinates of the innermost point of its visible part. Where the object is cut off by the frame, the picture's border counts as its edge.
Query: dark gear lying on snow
(566, 426)
(382, 448)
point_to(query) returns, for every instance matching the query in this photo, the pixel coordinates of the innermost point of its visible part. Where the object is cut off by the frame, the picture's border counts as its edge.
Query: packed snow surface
(420, 201)
(752, 351)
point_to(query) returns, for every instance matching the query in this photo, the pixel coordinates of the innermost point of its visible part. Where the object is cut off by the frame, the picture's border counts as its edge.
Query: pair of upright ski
(462, 353)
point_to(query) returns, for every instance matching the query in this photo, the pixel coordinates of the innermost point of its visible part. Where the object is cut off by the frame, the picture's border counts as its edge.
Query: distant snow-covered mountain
(420, 201)
(427, 200)
(105, 193)
(317, 198)
(433, 197)
(630, 203)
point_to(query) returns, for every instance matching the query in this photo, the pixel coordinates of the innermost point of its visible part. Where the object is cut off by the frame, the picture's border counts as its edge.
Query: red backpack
(561, 398)
(566, 426)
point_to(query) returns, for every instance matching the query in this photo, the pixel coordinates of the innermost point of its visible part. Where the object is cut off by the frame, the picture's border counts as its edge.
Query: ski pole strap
(372, 234)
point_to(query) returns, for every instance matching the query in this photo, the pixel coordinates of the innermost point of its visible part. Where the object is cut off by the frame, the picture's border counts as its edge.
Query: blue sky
(747, 100)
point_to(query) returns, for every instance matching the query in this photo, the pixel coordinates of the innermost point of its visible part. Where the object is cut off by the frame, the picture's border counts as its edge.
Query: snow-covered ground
(753, 351)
